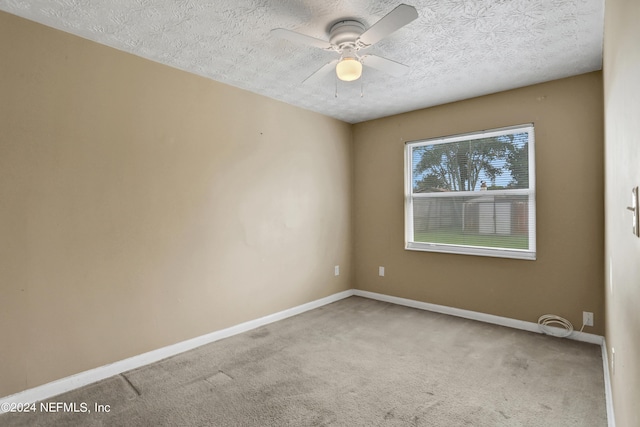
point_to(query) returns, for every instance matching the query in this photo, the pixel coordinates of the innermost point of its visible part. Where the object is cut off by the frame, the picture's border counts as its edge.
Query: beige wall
(622, 256)
(566, 278)
(141, 205)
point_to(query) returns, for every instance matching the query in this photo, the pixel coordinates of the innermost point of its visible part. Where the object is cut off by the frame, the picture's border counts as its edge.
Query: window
(472, 194)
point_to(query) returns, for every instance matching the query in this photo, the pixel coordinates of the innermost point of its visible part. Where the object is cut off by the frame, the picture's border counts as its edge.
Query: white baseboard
(474, 315)
(607, 385)
(81, 379)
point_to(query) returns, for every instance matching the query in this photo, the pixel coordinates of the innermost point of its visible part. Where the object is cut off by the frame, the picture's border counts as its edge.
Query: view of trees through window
(500, 162)
(472, 191)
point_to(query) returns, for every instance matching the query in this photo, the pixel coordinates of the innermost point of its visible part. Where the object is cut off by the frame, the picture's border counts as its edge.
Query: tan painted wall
(141, 205)
(622, 254)
(566, 278)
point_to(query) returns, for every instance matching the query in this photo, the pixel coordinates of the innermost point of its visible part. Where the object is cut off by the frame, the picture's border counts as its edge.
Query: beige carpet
(356, 362)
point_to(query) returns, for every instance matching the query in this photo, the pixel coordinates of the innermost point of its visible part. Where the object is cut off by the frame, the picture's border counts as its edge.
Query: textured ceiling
(456, 49)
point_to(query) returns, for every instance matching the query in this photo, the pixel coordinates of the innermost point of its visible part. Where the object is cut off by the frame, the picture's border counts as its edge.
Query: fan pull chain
(336, 86)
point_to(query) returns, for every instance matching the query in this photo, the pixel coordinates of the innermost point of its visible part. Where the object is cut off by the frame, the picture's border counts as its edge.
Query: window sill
(472, 250)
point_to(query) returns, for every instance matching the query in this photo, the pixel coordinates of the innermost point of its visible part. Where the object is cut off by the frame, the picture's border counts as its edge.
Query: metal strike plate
(634, 208)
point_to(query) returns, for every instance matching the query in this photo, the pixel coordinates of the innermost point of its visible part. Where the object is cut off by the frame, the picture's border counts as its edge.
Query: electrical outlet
(380, 271)
(336, 270)
(587, 318)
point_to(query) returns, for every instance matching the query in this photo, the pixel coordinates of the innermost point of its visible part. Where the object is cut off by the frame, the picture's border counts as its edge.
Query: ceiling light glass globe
(349, 69)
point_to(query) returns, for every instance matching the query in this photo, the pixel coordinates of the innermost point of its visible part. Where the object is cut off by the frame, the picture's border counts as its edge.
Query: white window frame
(526, 254)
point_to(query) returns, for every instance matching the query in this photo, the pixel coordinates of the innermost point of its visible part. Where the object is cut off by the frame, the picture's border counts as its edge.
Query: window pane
(493, 163)
(473, 194)
(482, 220)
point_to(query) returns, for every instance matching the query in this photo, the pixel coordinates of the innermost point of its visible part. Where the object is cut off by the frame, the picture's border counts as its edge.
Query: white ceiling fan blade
(321, 72)
(394, 20)
(386, 65)
(301, 38)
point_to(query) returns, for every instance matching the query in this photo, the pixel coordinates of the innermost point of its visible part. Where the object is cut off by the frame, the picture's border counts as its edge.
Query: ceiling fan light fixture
(349, 69)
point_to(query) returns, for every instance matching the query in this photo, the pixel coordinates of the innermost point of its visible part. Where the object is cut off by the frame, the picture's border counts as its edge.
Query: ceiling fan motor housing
(345, 33)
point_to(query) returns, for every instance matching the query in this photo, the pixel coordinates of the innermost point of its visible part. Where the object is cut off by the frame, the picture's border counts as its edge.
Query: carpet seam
(131, 384)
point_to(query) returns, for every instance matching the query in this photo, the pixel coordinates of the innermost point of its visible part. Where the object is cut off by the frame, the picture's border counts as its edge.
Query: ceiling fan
(348, 37)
